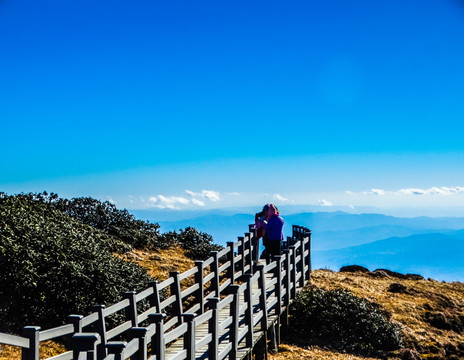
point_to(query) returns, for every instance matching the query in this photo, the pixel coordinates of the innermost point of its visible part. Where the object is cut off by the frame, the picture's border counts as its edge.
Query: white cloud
(279, 197)
(198, 202)
(412, 191)
(191, 193)
(379, 192)
(167, 202)
(211, 195)
(323, 202)
(443, 190)
(234, 193)
(453, 190)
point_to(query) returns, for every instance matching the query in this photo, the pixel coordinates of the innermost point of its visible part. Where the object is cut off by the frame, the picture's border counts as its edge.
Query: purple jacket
(274, 228)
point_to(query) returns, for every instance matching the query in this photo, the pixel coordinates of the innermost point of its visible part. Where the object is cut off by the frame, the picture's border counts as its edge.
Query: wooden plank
(56, 332)
(64, 356)
(14, 340)
(188, 273)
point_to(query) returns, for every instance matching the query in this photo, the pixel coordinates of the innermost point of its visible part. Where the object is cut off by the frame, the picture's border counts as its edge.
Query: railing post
(101, 329)
(139, 333)
(241, 252)
(287, 280)
(32, 333)
(235, 313)
(189, 337)
(262, 296)
(263, 305)
(308, 259)
(249, 258)
(213, 329)
(158, 346)
(154, 300)
(249, 311)
(86, 342)
(215, 271)
(116, 348)
(287, 283)
(293, 272)
(254, 247)
(131, 310)
(301, 266)
(278, 294)
(175, 290)
(231, 258)
(200, 296)
(76, 322)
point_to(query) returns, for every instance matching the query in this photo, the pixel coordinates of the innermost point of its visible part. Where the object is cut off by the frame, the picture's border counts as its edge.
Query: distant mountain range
(430, 246)
(435, 255)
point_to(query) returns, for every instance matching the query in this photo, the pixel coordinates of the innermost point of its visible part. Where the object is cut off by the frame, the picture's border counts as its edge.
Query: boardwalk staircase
(231, 305)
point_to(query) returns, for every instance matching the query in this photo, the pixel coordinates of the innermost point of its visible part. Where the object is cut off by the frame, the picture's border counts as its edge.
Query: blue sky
(185, 104)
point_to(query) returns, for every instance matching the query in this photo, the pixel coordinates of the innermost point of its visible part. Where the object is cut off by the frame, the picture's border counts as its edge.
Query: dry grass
(160, 262)
(292, 352)
(409, 308)
(47, 350)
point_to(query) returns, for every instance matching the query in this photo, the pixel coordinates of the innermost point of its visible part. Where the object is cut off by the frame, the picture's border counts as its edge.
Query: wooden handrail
(214, 284)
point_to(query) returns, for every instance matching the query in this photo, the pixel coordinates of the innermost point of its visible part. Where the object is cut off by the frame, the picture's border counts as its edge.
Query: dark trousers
(272, 248)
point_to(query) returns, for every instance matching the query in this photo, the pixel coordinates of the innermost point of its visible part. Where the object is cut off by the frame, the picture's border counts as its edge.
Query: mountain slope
(431, 314)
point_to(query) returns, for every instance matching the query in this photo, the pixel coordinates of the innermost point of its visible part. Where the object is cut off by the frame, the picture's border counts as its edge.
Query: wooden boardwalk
(224, 307)
(224, 317)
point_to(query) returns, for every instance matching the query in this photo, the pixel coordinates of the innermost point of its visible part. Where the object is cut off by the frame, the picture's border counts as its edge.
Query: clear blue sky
(215, 103)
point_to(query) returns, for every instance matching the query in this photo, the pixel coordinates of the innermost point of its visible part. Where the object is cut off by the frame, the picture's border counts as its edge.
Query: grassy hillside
(61, 256)
(158, 264)
(431, 314)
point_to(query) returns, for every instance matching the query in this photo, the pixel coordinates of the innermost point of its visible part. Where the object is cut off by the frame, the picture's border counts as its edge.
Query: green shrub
(53, 265)
(122, 225)
(108, 218)
(197, 244)
(338, 319)
(56, 256)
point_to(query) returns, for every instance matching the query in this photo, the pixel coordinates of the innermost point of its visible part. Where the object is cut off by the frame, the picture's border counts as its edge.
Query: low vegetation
(430, 315)
(341, 320)
(53, 265)
(58, 256)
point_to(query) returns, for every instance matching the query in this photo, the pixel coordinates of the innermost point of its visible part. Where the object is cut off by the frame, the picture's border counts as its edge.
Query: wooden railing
(218, 309)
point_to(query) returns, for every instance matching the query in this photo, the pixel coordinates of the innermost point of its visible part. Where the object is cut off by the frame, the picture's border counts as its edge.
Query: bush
(53, 265)
(106, 217)
(338, 319)
(56, 256)
(197, 244)
(122, 225)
